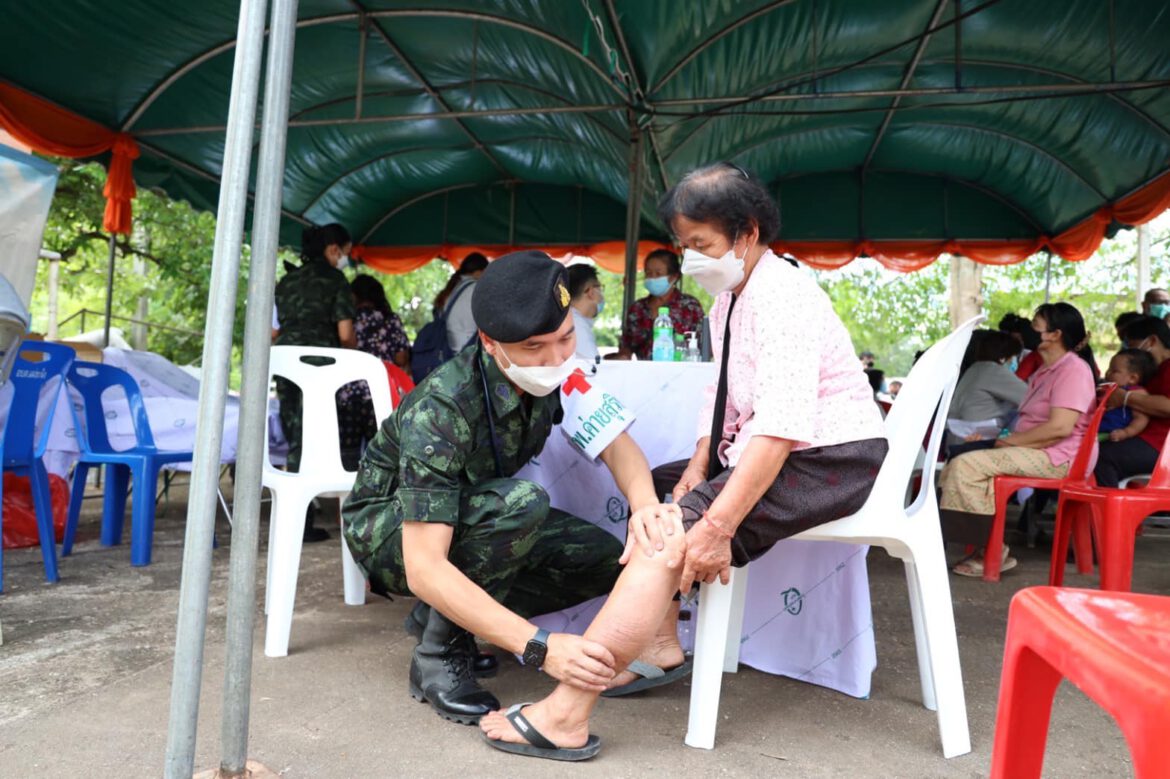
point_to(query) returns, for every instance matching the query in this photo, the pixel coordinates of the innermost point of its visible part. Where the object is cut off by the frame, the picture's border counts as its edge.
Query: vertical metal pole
(1048, 280)
(633, 219)
(54, 288)
(241, 605)
(217, 345)
(110, 289)
(1143, 264)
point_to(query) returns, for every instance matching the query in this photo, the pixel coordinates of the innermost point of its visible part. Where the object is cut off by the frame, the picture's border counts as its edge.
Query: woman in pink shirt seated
(1053, 418)
(798, 440)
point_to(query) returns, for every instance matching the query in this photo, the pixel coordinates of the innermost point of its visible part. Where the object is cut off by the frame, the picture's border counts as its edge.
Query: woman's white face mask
(538, 380)
(714, 274)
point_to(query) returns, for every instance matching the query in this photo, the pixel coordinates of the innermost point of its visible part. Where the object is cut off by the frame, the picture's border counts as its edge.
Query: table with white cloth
(808, 611)
(171, 396)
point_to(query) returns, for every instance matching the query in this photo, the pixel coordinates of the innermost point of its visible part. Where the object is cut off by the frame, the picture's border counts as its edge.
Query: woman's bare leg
(628, 623)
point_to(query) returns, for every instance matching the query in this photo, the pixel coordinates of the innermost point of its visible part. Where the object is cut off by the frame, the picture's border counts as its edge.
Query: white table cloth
(808, 611)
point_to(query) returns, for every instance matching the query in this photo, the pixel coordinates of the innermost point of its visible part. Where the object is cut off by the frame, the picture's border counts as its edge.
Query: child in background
(1129, 369)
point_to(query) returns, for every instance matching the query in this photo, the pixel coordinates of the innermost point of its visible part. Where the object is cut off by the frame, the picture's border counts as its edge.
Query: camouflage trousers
(528, 556)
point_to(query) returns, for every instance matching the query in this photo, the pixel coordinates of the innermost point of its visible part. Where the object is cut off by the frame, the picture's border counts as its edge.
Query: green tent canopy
(899, 129)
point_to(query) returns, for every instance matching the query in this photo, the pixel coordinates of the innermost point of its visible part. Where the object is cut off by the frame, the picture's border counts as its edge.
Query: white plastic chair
(321, 474)
(909, 532)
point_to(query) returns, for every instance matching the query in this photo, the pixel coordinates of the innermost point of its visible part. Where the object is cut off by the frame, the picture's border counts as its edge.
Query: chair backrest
(92, 380)
(1160, 478)
(320, 439)
(922, 403)
(26, 432)
(1079, 469)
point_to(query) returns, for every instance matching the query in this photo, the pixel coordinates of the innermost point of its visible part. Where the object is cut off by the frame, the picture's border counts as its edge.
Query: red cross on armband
(576, 381)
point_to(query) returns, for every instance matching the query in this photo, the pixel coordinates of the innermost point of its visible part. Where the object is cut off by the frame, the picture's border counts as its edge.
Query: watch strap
(541, 636)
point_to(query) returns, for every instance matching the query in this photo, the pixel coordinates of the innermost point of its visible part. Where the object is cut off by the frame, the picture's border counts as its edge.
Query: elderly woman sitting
(797, 441)
(1054, 415)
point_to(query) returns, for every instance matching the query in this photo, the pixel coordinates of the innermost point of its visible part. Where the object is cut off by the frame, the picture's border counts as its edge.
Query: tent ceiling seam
(418, 76)
(907, 76)
(425, 195)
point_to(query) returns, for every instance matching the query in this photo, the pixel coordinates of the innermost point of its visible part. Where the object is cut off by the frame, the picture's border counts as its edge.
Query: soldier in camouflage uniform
(316, 308)
(436, 513)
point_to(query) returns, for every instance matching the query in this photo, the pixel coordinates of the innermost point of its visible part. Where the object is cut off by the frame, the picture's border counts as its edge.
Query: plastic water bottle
(663, 350)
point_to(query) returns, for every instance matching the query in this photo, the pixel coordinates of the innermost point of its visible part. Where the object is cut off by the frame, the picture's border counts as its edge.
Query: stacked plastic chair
(36, 386)
(321, 473)
(1117, 514)
(911, 533)
(1112, 646)
(138, 466)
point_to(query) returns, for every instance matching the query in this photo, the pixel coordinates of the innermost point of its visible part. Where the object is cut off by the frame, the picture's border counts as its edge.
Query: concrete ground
(85, 673)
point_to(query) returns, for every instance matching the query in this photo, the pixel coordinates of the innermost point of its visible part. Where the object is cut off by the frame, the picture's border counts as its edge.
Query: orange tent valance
(50, 129)
(610, 255)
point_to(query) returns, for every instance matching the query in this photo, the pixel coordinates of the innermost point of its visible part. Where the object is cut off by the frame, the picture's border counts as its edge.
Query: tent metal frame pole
(217, 346)
(109, 290)
(633, 219)
(241, 603)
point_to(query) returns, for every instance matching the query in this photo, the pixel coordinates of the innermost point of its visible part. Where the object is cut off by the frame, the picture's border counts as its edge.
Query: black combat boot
(441, 673)
(483, 664)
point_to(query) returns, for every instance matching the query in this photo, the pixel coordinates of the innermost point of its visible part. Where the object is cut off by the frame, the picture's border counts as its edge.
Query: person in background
(987, 388)
(1137, 455)
(1123, 321)
(379, 332)
(316, 309)
(1021, 330)
(663, 274)
(895, 387)
(1129, 370)
(876, 378)
(588, 300)
(1156, 303)
(460, 321)
(867, 360)
(1054, 416)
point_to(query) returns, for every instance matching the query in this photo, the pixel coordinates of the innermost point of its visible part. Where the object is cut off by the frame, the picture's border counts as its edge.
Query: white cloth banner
(808, 612)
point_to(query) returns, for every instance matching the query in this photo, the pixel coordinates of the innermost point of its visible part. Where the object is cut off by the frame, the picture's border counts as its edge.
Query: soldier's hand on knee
(652, 530)
(579, 662)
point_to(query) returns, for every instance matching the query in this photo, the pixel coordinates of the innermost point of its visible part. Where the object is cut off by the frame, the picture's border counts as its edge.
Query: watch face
(534, 654)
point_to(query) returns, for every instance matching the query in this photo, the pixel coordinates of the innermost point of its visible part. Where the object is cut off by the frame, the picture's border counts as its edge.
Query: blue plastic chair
(24, 445)
(140, 463)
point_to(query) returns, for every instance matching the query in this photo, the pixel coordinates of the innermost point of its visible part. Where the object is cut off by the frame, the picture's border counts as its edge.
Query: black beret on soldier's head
(520, 295)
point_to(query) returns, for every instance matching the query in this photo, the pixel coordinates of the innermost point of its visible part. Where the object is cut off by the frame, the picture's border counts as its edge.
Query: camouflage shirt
(438, 443)
(310, 300)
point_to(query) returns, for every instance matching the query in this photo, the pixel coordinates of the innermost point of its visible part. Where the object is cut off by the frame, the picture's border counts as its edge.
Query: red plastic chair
(1117, 514)
(400, 382)
(1112, 646)
(1078, 474)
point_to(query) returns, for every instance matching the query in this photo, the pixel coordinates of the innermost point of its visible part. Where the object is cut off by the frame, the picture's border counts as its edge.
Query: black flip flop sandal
(649, 677)
(538, 745)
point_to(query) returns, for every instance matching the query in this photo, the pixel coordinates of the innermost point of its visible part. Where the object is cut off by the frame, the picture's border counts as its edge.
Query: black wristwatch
(537, 649)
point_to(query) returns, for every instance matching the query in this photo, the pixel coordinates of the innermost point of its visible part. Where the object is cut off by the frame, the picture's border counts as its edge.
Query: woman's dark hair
(726, 195)
(1142, 328)
(1018, 326)
(988, 346)
(670, 258)
(1068, 320)
(315, 239)
(366, 289)
(1140, 362)
(1125, 320)
(472, 263)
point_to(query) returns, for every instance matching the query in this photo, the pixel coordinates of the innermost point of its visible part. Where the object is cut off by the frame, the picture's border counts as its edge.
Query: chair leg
(1148, 748)
(925, 677)
(1025, 707)
(145, 477)
(43, 507)
(738, 583)
(1117, 541)
(284, 566)
(76, 496)
(1082, 538)
(114, 504)
(993, 552)
(715, 606)
(938, 622)
(353, 580)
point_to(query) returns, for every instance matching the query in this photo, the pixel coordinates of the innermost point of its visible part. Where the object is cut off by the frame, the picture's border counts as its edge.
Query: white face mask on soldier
(714, 274)
(538, 380)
